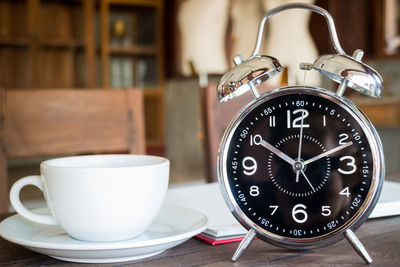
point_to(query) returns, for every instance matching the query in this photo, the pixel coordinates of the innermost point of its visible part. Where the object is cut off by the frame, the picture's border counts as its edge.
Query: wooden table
(381, 237)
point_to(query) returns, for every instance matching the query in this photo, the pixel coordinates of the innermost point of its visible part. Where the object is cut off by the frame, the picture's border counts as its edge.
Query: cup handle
(20, 208)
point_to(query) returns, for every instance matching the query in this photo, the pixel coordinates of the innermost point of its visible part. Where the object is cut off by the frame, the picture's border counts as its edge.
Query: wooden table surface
(381, 237)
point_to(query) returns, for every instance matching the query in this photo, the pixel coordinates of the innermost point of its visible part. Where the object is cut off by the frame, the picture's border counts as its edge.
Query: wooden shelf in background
(133, 50)
(45, 43)
(62, 43)
(144, 22)
(152, 92)
(70, 43)
(150, 3)
(14, 41)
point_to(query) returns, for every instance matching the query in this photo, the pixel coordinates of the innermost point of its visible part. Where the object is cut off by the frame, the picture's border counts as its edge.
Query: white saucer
(173, 226)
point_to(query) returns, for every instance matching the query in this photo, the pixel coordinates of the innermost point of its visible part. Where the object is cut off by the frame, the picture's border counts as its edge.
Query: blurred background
(171, 49)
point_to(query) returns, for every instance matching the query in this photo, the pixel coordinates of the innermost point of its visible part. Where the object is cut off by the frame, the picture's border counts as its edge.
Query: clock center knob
(298, 166)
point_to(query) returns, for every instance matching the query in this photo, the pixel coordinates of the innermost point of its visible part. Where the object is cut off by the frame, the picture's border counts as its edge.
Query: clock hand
(308, 181)
(333, 150)
(300, 143)
(277, 152)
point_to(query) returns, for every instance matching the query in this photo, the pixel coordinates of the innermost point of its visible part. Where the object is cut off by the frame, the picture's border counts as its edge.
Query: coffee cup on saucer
(99, 197)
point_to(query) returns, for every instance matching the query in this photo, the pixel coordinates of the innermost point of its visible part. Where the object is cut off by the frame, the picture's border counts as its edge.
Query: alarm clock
(301, 167)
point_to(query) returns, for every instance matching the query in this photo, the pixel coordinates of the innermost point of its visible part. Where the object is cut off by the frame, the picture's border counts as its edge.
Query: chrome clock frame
(365, 209)
(349, 72)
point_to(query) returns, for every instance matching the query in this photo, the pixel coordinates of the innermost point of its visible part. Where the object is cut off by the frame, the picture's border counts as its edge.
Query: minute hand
(277, 152)
(333, 150)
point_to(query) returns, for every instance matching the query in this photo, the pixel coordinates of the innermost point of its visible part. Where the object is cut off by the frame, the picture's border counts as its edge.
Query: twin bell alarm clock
(301, 167)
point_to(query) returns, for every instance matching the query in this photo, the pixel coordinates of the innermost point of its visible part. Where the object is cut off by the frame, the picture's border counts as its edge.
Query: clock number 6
(299, 214)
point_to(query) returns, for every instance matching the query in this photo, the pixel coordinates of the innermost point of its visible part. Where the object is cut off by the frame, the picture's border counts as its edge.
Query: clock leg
(357, 246)
(244, 244)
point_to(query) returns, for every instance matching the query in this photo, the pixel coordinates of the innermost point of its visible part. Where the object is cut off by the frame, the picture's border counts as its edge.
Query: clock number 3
(350, 163)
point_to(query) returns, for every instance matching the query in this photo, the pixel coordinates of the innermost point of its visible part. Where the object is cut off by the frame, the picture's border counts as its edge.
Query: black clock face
(298, 165)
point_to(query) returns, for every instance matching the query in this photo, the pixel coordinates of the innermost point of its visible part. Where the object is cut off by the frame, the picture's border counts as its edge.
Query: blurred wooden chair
(55, 122)
(383, 113)
(216, 118)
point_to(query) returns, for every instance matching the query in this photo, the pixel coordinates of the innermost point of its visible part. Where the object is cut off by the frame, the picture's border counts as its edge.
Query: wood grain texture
(90, 48)
(105, 39)
(54, 122)
(69, 122)
(54, 44)
(216, 117)
(3, 161)
(380, 236)
(384, 112)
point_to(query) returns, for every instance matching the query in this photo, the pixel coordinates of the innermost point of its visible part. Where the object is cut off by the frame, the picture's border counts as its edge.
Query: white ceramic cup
(99, 197)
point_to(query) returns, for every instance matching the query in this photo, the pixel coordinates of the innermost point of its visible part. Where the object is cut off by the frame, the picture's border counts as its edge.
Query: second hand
(300, 144)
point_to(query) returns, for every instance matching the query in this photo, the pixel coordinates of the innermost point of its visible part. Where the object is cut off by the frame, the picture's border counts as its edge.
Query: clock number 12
(296, 123)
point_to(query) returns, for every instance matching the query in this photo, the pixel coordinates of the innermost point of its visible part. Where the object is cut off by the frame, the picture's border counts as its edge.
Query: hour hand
(333, 150)
(277, 152)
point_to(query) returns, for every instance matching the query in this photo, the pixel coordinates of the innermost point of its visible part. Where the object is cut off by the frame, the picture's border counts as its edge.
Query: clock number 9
(249, 165)
(297, 210)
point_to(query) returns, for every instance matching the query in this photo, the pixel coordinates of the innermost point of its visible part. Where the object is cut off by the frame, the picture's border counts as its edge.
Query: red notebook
(219, 240)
